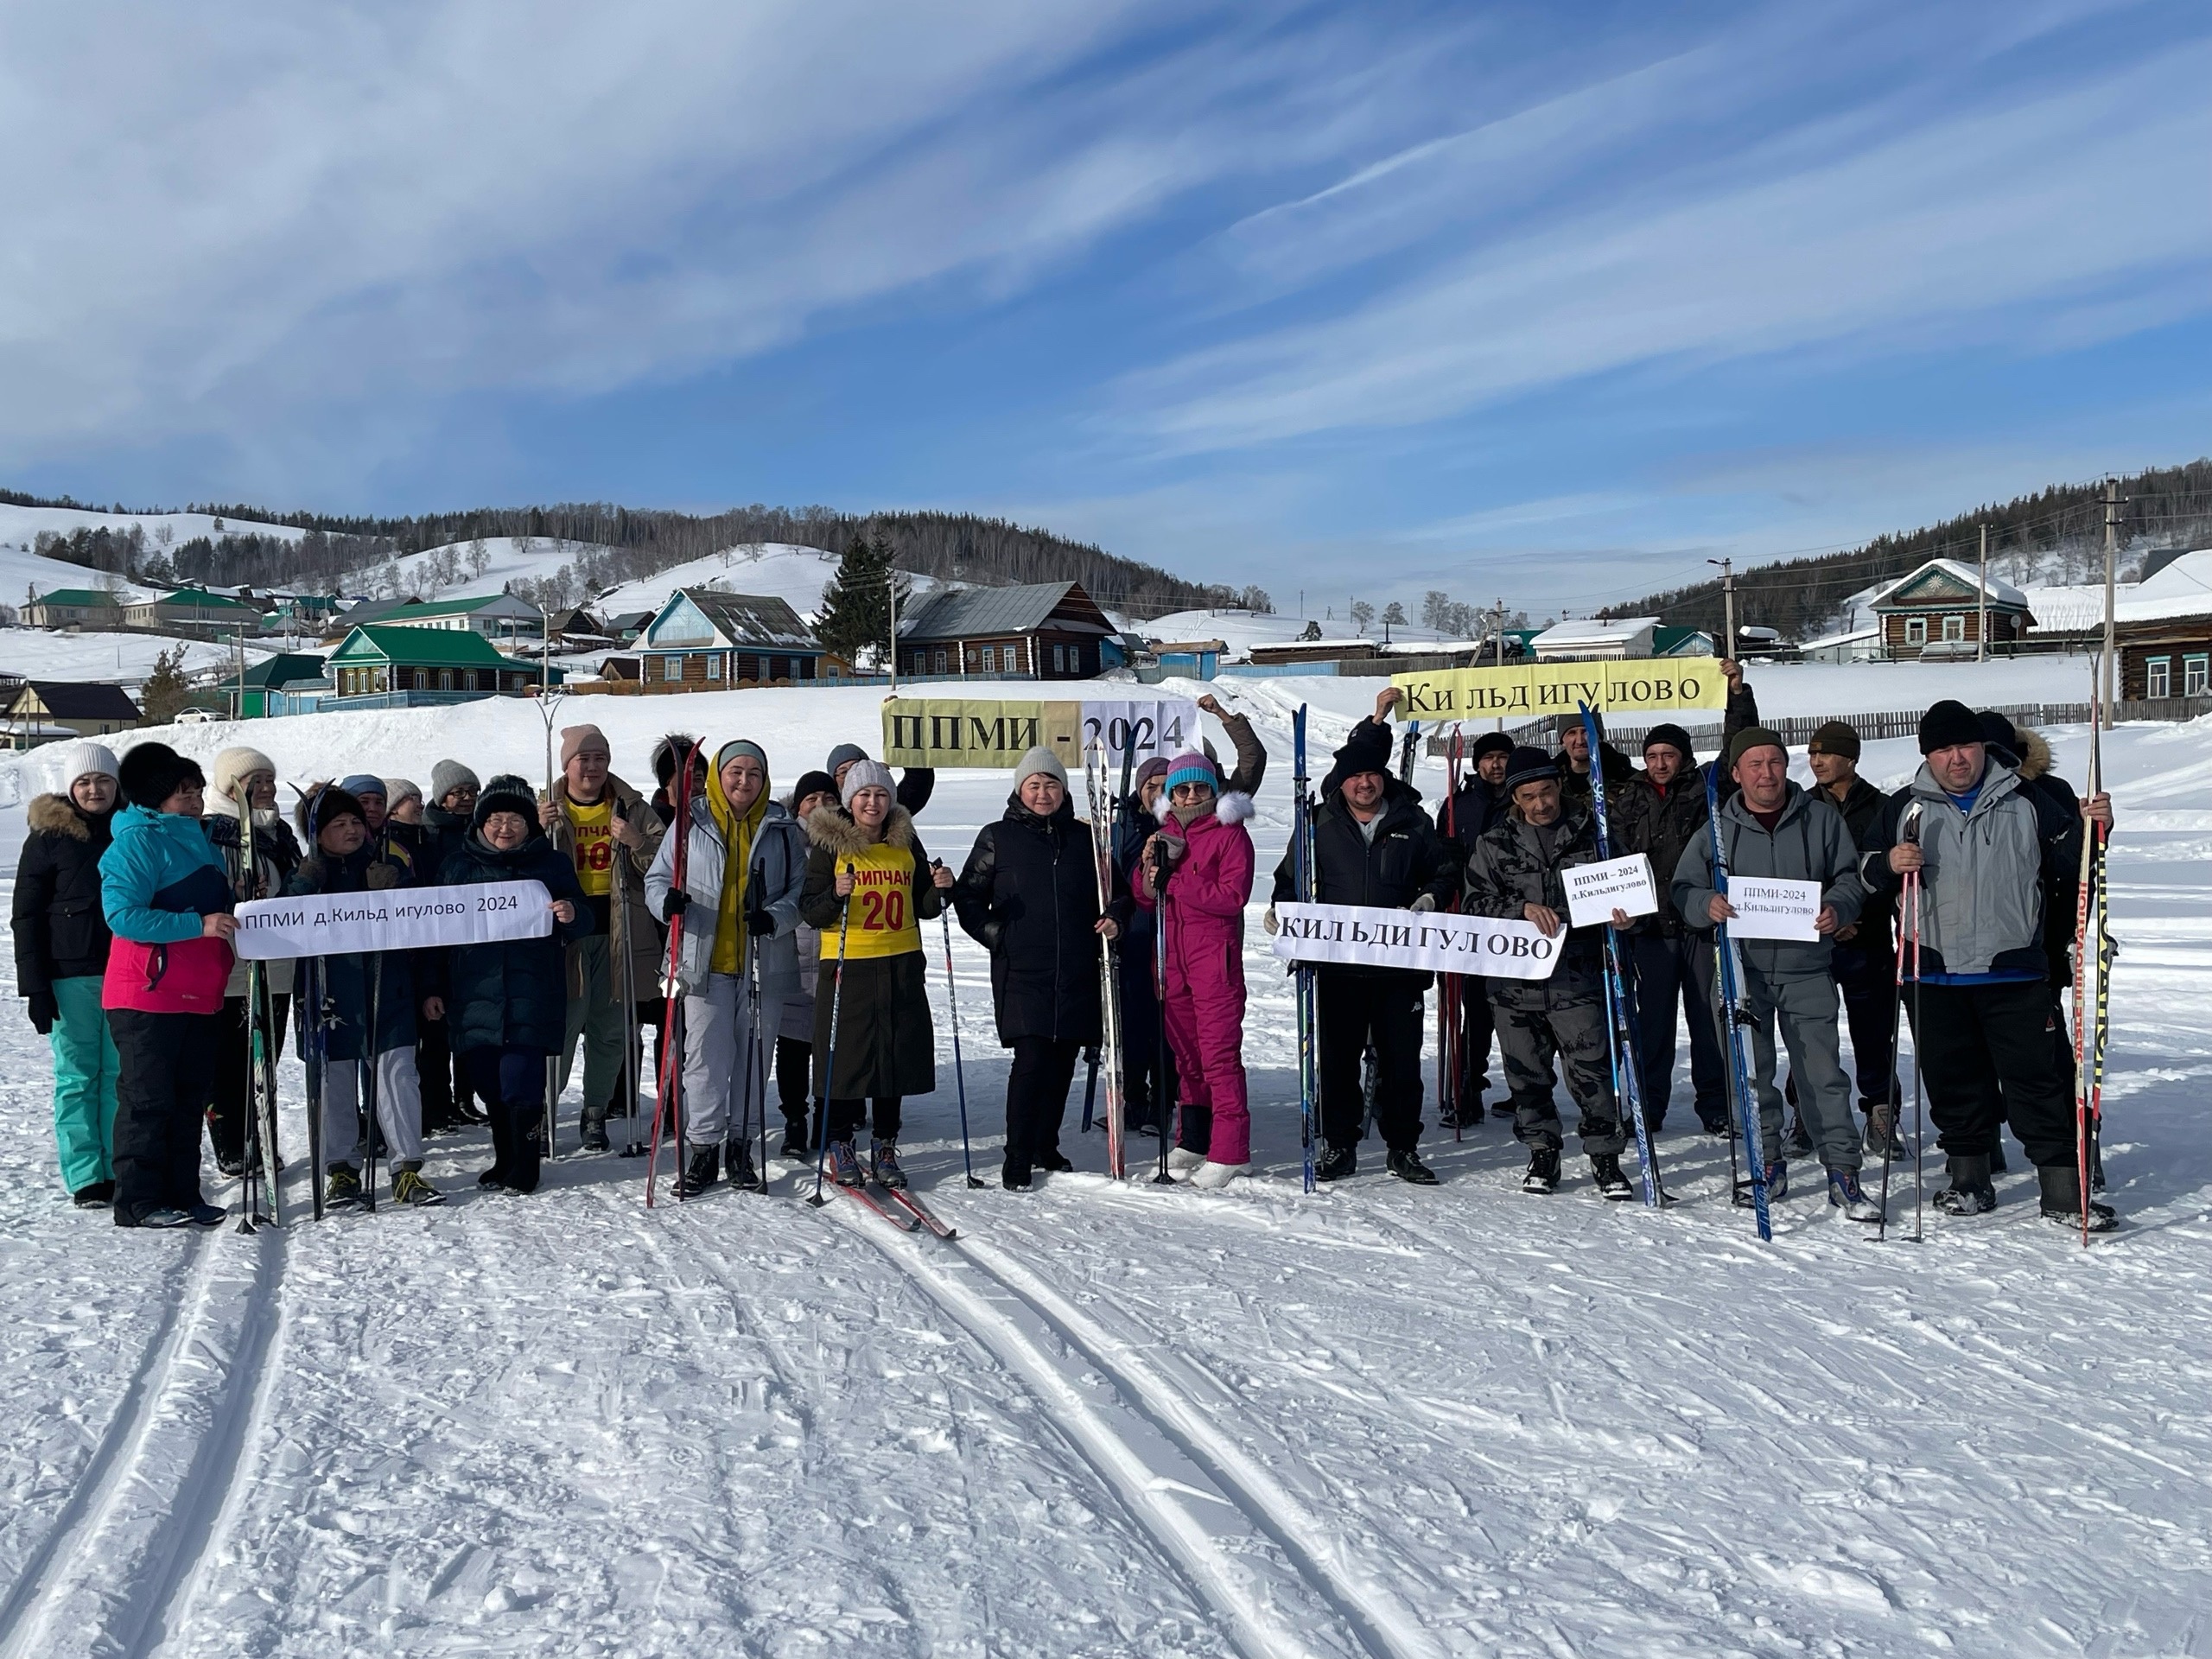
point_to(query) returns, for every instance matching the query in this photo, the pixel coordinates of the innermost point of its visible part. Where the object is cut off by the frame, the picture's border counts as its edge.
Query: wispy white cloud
(2087, 201)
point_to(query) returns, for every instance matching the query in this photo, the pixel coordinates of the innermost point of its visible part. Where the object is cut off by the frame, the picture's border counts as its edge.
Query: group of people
(784, 932)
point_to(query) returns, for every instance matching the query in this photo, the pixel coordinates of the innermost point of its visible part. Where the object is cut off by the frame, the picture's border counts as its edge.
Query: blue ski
(1620, 1027)
(1731, 1012)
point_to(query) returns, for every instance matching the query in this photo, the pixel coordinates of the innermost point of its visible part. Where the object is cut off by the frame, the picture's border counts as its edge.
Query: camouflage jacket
(1509, 871)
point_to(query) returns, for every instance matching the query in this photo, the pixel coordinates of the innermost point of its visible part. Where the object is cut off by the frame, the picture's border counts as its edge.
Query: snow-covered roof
(1596, 630)
(2001, 592)
(1852, 638)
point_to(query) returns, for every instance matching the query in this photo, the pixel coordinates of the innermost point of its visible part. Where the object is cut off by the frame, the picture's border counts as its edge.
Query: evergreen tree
(855, 617)
(164, 692)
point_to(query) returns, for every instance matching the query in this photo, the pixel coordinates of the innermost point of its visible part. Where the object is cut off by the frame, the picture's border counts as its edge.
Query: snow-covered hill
(1122, 1420)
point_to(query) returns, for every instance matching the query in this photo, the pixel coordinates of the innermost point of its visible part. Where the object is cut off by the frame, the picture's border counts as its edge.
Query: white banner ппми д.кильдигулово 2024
(397, 918)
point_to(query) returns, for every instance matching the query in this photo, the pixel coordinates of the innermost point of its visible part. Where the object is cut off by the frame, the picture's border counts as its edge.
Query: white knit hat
(81, 760)
(233, 763)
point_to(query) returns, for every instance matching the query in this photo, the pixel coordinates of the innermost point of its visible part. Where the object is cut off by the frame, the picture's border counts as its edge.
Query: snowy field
(1127, 1419)
(126, 658)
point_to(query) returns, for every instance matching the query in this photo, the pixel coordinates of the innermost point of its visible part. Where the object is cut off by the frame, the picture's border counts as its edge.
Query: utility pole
(2112, 560)
(1728, 604)
(1500, 724)
(894, 580)
(1981, 604)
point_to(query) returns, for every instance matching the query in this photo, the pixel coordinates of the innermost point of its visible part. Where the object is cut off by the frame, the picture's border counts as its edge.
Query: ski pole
(370, 1093)
(1919, 1121)
(626, 974)
(668, 1089)
(959, 1078)
(829, 1066)
(1160, 962)
(759, 1054)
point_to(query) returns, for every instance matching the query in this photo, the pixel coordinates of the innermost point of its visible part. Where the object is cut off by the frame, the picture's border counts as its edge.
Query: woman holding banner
(506, 1004)
(368, 1013)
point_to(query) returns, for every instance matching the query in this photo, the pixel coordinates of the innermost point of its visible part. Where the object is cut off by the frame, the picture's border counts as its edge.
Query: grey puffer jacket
(772, 884)
(1984, 874)
(1809, 842)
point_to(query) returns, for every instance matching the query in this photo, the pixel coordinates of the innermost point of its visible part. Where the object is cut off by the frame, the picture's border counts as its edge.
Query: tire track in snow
(1163, 1435)
(129, 1551)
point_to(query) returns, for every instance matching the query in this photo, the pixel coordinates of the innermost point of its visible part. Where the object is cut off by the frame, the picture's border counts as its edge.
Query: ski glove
(675, 905)
(760, 925)
(1269, 922)
(1423, 905)
(44, 1012)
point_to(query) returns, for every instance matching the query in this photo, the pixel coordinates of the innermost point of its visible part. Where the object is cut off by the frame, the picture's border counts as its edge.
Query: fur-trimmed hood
(57, 815)
(1234, 807)
(2035, 754)
(832, 826)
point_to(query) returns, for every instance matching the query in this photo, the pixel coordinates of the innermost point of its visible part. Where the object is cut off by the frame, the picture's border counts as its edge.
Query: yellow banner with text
(1533, 691)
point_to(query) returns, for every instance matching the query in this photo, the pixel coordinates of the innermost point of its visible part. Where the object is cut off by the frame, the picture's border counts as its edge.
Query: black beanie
(1528, 766)
(149, 773)
(1490, 743)
(1566, 723)
(1999, 733)
(506, 793)
(1948, 724)
(813, 783)
(1367, 749)
(319, 808)
(1667, 732)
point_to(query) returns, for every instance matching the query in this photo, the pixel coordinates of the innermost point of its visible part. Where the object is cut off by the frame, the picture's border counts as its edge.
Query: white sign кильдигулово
(1774, 907)
(1436, 941)
(1594, 892)
(398, 918)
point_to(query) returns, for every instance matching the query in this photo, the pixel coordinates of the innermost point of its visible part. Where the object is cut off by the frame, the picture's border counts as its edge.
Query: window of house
(445, 679)
(671, 668)
(2158, 676)
(1059, 660)
(713, 668)
(937, 657)
(2195, 672)
(1954, 627)
(1916, 630)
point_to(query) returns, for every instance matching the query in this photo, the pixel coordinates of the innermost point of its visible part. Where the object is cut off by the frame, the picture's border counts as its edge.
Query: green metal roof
(75, 596)
(201, 599)
(447, 606)
(374, 642)
(283, 669)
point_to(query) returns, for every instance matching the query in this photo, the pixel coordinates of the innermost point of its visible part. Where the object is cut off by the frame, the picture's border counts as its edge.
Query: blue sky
(1551, 302)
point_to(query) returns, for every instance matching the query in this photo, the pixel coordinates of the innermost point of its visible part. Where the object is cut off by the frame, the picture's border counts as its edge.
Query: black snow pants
(165, 1075)
(1350, 1011)
(1037, 1097)
(1968, 1034)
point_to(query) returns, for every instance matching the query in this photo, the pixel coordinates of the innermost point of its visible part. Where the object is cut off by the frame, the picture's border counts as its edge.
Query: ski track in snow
(1376, 1421)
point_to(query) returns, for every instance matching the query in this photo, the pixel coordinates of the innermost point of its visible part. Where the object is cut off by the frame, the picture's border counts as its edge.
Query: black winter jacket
(1509, 871)
(513, 994)
(60, 930)
(1646, 820)
(351, 982)
(1403, 861)
(1861, 807)
(1029, 895)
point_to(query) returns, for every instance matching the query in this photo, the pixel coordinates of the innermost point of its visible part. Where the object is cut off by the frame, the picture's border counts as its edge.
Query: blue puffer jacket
(514, 995)
(159, 879)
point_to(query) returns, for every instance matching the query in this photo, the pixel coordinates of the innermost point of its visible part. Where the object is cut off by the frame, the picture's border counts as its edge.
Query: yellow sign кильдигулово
(1533, 691)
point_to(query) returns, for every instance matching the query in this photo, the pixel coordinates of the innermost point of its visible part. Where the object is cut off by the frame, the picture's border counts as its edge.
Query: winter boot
(844, 1163)
(1407, 1168)
(1882, 1131)
(164, 1216)
(1543, 1171)
(1213, 1177)
(1053, 1160)
(1334, 1163)
(97, 1196)
(342, 1190)
(408, 1185)
(1181, 1160)
(492, 1179)
(1996, 1154)
(796, 1142)
(737, 1159)
(700, 1175)
(1970, 1192)
(594, 1128)
(207, 1214)
(1605, 1170)
(1798, 1142)
(1846, 1193)
(1778, 1186)
(883, 1164)
(1014, 1174)
(2062, 1199)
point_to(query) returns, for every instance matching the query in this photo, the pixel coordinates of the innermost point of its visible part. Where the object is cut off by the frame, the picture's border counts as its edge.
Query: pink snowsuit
(1202, 918)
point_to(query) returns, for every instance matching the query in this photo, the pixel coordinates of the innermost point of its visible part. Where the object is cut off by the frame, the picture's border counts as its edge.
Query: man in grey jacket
(1985, 848)
(1772, 828)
